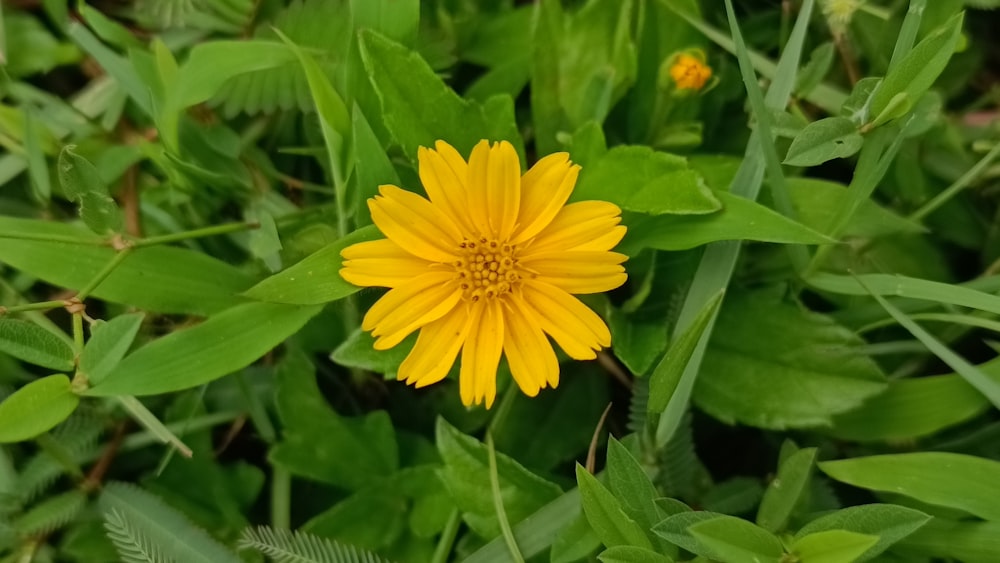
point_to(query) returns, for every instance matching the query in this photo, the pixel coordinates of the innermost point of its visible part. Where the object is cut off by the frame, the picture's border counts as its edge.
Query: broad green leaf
(631, 485)
(817, 201)
(371, 518)
(466, 476)
(823, 140)
(969, 542)
(316, 279)
(36, 408)
(918, 70)
(889, 522)
(108, 344)
(358, 351)
(323, 445)
(163, 525)
(211, 64)
(397, 20)
(575, 541)
(639, 341)
(631, 554)
(636, 178)
(914, 408)
(738, 495)
(960, 481)
(832, 546)
(159, 278)
(774, 365)
(785, 490)
(606, 515)
(735, 540)
(372, 166)
(675, 529)
(536, 532)
(33, 344)
(664, 379)
(223, 344)
(418, 107)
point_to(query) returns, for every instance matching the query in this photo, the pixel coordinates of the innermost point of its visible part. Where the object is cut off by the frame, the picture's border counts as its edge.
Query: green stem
(40, 306)
(102, 275)
(146, 418)
(197, 233)
(959, 185)
(508, 534)
(55, 238)
(444, 546)
(281, 499)
(78, 333)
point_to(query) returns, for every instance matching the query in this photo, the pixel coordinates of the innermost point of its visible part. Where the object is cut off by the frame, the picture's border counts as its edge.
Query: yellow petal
(415, 224)
(481, 354)
(576, 225)
(436, 349)
(445, 185)
(578, 271)
(479, 211)
(503, 189)
(531, 358)
(577, 329)
(380, 263)
(606, 241)
(422, 309)
(544, 190)
(400, 296)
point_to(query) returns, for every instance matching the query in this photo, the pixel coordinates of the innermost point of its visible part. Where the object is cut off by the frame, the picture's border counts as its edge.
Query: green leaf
(785, 490)
(372, 166)
(664, 379)
(675, 529)
(51, 514)
(108, 344)
(832, 546)
(914, 408)
(639, 341)
(823, 140)
(213, 63)
(36, 408)
(358, 351)
(319, 443)
(631, 554)
(903, 286)
(223, 344)
(33, 344)
(82, 183)
(536, 532)
(889, 522)
(817, 202)
(740, 219)
(38, 168)
(774, 365)
(606, 515)
(158, 278)
(970, 542)
(918, 70)
(418, 107)
(815, 70)
(167, 529)
(575, 541)
(735, 540)
(300, 547)
(631, 485)
(946, 479)
(636, 178)
(466, 476)
(316, 279)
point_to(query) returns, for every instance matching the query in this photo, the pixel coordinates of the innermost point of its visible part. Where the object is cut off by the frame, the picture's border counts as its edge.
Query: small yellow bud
(689, 72)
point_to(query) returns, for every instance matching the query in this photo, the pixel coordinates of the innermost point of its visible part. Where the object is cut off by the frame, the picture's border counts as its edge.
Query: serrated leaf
(36, 408)
(823, 140)
(31, 343)
(223, 344)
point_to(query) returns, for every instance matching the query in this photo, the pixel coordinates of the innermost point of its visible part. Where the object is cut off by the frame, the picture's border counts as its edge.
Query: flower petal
(436, 349)
(400, 296)
(576, 225)
(606, 241)
(578, 271)
(415, 224)
(381, 263)
(577, 329)
(479, 211)
(532, 360)
(422, 309)
(481, 354)
(444, 184)
(544, 190)
(503, 189)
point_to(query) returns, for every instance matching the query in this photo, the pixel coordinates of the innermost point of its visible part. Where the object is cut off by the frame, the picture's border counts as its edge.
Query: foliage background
(190, 170)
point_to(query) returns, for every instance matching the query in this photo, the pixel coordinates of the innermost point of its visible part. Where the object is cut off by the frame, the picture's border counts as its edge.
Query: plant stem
(443, 549)
(508, 534)
(197, 233)
(55, 238)
(41, 305)
(102, 275)
(963, 182)
(281, 499)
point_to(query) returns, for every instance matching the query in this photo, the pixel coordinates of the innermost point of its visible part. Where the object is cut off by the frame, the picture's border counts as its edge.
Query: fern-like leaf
(51, 514)
(284, 546)
(169, 530)
(132, 544)
(637, 413)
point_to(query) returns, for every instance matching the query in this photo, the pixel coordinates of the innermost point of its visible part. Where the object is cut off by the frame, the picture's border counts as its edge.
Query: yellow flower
(689, 72)
(486, 266)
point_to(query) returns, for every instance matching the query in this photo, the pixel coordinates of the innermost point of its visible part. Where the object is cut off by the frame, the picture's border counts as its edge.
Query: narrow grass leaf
(786, 490)
(903, 286)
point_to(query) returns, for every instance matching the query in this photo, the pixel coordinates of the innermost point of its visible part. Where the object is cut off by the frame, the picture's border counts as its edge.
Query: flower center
(487, 268)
